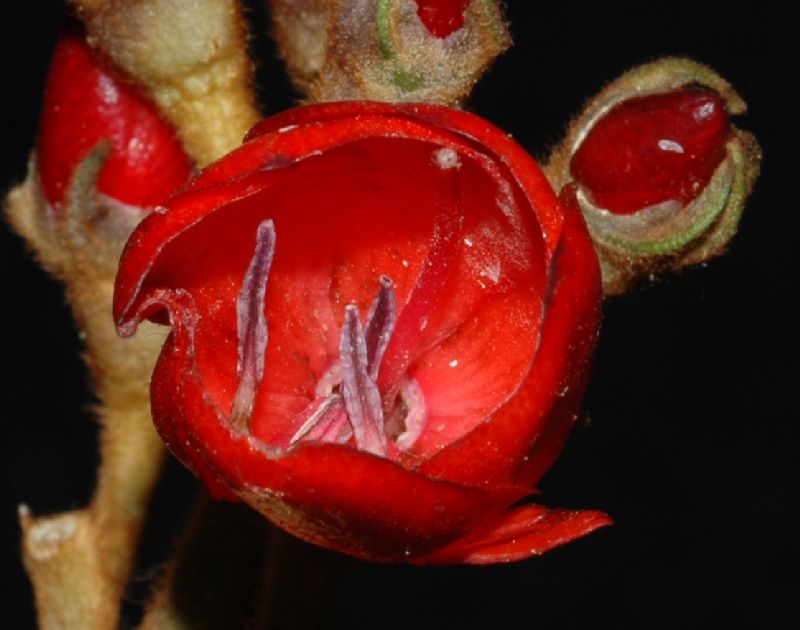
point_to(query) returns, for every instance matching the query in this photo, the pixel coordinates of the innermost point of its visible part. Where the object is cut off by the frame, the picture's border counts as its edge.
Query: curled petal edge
(518, 534)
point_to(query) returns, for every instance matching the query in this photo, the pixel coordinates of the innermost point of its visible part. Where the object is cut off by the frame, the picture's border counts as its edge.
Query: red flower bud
(382, 320)
(652, 149)
(86, 102)
(661, 172)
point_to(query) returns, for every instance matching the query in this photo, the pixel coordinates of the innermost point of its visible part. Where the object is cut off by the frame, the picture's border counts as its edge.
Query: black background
(692, 443)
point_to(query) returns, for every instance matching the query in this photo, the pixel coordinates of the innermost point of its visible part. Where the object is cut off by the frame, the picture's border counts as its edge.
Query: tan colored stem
(191, 57)
(79, 562)
(66, 571)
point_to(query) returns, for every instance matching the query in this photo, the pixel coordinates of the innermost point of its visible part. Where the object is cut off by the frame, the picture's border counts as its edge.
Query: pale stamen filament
(362, 400)
(252, 326)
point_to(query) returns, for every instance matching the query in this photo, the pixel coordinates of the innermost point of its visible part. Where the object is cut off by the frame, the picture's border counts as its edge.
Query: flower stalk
(92, 550)
(214, 577)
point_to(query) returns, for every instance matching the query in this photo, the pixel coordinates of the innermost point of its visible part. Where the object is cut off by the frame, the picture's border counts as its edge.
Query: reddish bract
(382, 320)
(442, 17)
(86, 101)
(652, 149)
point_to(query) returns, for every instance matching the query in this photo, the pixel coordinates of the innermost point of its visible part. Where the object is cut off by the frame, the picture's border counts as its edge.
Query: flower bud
(661, 173)
(88, 103)
(104, 158)
(442, 17)
(389, 50)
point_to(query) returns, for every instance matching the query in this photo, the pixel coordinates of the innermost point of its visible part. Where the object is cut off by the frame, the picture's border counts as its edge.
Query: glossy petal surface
(652, 149)
(428, 305)
(87, 101)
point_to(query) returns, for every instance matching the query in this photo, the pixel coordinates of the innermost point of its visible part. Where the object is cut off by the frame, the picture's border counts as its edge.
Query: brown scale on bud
(661, 174)
(383, 50)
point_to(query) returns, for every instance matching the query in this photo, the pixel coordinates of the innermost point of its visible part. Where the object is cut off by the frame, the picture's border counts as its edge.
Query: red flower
(382, 321)
(87, 101)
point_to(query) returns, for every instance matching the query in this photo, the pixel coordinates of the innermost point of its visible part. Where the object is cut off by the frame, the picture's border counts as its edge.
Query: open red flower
(382, 320)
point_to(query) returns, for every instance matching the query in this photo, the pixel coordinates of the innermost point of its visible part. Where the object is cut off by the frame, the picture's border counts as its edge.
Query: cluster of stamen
(348, 404)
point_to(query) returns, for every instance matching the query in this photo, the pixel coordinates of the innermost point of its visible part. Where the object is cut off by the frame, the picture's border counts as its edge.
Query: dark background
(692, 443)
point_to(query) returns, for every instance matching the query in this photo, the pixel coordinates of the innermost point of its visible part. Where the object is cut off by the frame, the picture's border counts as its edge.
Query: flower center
(348, 403)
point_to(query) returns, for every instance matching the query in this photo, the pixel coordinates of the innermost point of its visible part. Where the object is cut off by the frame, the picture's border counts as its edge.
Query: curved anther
(380, 325)
(252, 325)
(359, 391)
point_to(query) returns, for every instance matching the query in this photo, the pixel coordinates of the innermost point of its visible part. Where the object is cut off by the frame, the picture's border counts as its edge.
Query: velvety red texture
(497, 295)
(87, 101)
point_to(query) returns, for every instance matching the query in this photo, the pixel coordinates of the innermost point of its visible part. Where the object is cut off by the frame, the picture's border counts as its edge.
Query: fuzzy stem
(79, 562)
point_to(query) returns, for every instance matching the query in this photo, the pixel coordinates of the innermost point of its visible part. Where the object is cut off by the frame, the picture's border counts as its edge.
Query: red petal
(484, 136)
(465, 378)
(356, 213)
(521, 440)
(518, 534)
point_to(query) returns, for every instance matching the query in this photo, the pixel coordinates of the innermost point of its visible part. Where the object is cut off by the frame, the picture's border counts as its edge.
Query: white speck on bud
(670, 145)
(706, 111)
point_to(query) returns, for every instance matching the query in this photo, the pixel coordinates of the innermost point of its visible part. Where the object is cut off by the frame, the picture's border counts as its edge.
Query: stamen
(348, 403)
(379, 325)
(327, 423)
(252, 325)
(361, 396)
